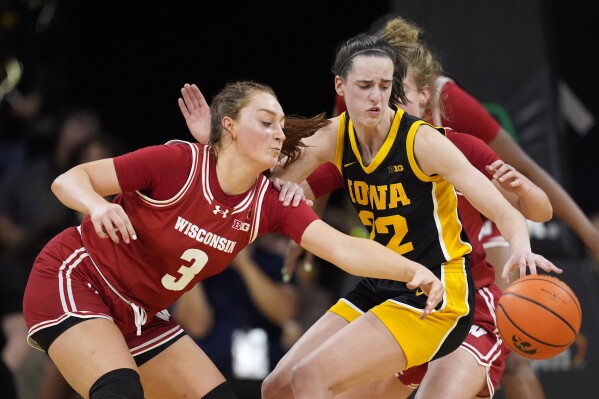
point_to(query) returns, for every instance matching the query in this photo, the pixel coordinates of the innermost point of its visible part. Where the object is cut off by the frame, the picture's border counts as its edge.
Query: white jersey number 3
(198, 259)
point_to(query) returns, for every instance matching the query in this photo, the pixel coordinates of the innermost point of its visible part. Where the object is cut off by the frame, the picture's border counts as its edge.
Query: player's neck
(234, 177)
(372, 137)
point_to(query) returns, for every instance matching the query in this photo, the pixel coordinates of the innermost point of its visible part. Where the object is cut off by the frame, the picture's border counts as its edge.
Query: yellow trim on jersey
(385, 148)
(412, 158)
(446, 215)
(421, 339)
(346, 310)
(340, 136)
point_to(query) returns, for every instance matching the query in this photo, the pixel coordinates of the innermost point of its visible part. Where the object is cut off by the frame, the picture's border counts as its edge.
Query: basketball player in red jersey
(449, 105)
(95, 297)
(464, 113)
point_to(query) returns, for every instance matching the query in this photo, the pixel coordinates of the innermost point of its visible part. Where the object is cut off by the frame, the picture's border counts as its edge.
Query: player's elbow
(541, 214)
(351, 259)
(547, 214)
(57, 185)
(339, 256)
(537, 211)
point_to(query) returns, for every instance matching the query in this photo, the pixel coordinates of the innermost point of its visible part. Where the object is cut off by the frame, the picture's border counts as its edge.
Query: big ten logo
(239, 225)
(573, 358)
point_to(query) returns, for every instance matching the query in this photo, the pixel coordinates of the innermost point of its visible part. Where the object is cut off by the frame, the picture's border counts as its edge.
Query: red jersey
(327, 178)
(461, 111)
(480, 155)
(187, 228)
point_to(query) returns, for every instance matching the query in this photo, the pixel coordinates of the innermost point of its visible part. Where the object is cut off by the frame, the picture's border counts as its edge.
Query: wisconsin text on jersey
(203, 236)
(379, 197)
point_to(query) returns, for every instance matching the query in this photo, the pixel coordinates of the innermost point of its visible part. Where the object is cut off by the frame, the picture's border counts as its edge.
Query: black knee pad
(118, 384)
(223, 391)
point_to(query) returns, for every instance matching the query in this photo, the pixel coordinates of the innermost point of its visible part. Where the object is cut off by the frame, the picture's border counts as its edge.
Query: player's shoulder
(453, 93)
(271, 194)
(475, 149)
(333, 126)
(186, 145)
(463, 140)
(323, 141)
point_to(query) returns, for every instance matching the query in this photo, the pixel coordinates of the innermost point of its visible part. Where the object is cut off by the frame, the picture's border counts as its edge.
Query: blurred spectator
(315, 298)
(27, 128)
(30, 215)
(33, 84)
(29, 212)
(13, 329)
(52, 384)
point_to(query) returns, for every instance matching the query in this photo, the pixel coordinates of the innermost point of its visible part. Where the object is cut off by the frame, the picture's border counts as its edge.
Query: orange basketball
(538, 316)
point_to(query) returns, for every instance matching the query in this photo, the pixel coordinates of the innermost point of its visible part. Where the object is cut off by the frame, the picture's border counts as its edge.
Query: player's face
(367, 89)
(414, 106)
(260, 129)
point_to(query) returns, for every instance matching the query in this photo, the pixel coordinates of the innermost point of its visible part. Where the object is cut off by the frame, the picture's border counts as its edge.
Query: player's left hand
(507, 176)
(290, 193)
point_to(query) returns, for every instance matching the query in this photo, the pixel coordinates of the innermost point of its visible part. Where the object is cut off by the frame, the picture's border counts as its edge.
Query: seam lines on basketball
(531, 336)
(527, 334)
(544, 307)
(570, 294)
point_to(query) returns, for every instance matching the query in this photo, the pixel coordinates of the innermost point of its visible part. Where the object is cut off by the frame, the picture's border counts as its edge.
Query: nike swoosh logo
(419, 292)
(349, 164)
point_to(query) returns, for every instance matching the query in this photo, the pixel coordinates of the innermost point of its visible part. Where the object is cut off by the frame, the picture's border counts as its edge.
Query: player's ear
(339, 85)
(228, 126)
(425, 96)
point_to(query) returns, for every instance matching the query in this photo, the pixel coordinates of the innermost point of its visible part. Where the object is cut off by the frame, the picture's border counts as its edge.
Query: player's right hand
(110, 220)
(431, 286)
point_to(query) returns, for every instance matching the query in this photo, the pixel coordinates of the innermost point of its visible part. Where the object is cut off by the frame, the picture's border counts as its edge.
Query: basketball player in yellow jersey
(403, 188)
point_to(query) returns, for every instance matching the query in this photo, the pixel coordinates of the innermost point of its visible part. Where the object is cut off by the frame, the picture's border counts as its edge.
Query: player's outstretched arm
(367, 258)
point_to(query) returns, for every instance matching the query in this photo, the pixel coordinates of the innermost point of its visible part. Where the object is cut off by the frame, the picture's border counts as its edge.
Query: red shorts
(65, 283)
(483, 343)
(490, 236)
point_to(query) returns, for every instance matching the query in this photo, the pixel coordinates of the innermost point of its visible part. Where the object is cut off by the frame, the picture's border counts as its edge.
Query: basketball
(538, 316)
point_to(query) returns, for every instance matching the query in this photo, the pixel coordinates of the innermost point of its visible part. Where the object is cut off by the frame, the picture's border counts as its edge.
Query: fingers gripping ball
(538, 316)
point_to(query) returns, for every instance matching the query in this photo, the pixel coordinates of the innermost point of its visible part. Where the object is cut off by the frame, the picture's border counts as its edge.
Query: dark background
(573, 36)
(129, 61)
